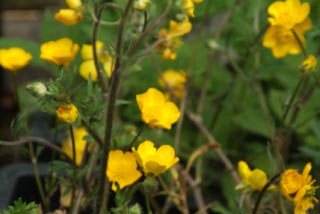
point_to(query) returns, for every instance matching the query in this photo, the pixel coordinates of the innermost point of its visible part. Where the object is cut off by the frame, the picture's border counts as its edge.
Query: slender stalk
(74, 158)
(294, 94)
(34, 161)
(102, 199)
(263, 191)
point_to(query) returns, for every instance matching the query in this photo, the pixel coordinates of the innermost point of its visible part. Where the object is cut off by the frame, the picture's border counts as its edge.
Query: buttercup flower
(74, 4)
(122, 169)
(71, 15)
(68, 16)
(87, 67)
(171, 38)
(283, 41)
(67, 113)
(59, 52)
(254, 179)
(155, 110)
(155, 161)
(299, 188)
(14, 59)
(174, 82)
(288, 13)
(80, 144)
(309, 63)
(141, 4)
(188, 7)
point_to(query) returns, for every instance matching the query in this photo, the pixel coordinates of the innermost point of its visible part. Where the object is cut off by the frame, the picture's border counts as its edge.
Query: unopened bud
(37, 89)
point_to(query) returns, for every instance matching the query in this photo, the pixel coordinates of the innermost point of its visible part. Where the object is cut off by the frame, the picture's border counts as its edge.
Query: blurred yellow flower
(122, 169)
(288, 13)
(87, 51)
(74, 4)
(170, 39)
(188, 7)
(68, 16)
(141, 4)
(283, 41)
(309, 63)
(155, 161)
(80, 144)
(299, 189)
(254, 179)
(14, 59)
(173, 82)
(156, 110)
(67, 113)
(87, 67)
(59, 52)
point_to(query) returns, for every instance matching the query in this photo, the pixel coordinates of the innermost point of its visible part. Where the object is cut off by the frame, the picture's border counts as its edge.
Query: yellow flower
(122, 169)
(282, 41)
(299, 188)
(188, 7)
(174, 82)
(288, 13)
(59, 52)
(309, 63)
(67, 113)
(170, 39)
(14, 59)
(155, 110)
(155, 161)
(87, 51)
(141, 4)
(80, 144)
(87, 67)
(74, 4)
(197, 1)
(254, 179)
(68, 16)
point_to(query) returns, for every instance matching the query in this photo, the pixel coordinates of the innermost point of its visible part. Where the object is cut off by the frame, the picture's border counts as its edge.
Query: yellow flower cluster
(299, 188)
(288, 22)
(156, 110)
(71, 15)
(87, 67)
(170, 39)
(122, 166)
(14, 59)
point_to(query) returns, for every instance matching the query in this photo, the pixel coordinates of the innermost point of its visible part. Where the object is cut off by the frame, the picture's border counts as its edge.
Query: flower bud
(37, 89)
(150, 184)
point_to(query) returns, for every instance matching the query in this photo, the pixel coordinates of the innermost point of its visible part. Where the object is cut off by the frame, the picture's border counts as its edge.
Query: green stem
(34, 162)
(295, 92)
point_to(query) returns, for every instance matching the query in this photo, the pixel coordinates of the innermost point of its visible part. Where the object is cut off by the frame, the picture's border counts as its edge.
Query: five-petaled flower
(299, 189)
(122, 169)
(288, 22)
(254, 179)
(14, 59)
(67, 113)
(156, 110)
(155, 161)
(80, 144)
(59, 52)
